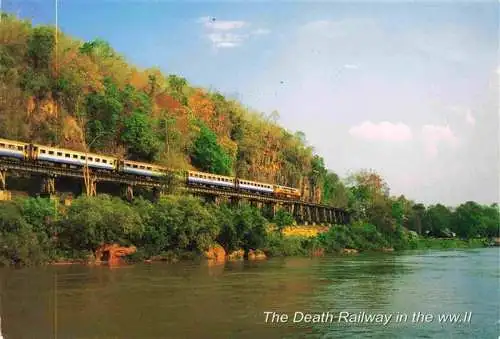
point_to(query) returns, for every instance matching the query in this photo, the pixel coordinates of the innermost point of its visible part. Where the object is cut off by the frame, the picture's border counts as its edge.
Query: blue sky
(410, 90)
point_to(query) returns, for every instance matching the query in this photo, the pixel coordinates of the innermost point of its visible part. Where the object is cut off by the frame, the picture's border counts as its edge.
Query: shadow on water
(228, 300)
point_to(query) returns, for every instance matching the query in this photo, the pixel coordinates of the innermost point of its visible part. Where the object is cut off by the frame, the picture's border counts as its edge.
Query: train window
(75, 156)
(51, 152)
(42, 151)
(67, 155)
(134, 166)
(97, 160)
(141, 167)
(2, 145)
(104, 161)
(91, 159)
(20, 148)
(82, 157)
(59, 154)
(149, 168)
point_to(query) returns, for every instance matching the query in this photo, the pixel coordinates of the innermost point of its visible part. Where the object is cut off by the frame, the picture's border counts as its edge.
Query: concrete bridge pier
(330, 216)
(218, 200)
(296, 213)
(4, 194)
(128, 192)
(235, 202)
(48, 188)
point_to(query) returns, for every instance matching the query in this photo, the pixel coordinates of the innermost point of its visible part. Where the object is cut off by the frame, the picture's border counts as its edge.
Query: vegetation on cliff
(72, 93)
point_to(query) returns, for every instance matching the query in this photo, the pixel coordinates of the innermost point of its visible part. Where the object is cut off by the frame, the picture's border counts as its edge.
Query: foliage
(241, 227)
(19, 244)
(282, 219)
(208, 155)
(92, 222)
(179, 223)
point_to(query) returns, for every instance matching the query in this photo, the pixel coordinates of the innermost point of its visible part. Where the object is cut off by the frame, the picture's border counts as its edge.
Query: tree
(177, 85)
(207, 155)
(416, 218)
(437, 220)
(282, 219)
(40, 46)
(139, 136)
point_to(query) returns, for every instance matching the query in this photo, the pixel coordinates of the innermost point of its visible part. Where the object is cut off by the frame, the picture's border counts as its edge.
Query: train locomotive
(54, 156)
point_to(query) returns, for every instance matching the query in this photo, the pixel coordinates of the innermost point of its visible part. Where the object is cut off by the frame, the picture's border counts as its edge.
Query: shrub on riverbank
(34, 231)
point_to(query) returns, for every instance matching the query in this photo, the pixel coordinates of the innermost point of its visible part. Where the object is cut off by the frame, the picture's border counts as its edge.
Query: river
(195, 300)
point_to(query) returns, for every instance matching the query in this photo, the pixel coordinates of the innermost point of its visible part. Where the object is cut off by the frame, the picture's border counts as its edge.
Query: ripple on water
(189, 300)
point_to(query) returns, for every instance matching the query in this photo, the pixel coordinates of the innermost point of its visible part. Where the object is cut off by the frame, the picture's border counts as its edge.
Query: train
(54, 156)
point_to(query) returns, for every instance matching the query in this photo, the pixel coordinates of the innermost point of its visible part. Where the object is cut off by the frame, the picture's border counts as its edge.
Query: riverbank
(297, 241)
(108, 229)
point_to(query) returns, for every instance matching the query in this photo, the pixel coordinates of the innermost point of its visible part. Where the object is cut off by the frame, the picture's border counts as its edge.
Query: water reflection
(228, 300)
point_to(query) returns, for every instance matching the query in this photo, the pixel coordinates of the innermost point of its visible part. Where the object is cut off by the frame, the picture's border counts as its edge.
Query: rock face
(216, 253)
(113, 253)
(256, 255)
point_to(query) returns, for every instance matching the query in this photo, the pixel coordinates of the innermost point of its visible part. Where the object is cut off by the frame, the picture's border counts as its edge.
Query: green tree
(208, 155)
(139, 136)
(283, 219)
(93, 221)
(180, 223)
(40, 47)
(437, 220)
(19, 244)
(103, 114)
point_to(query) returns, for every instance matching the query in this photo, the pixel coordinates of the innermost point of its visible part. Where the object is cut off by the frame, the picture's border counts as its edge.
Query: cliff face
(73, 92)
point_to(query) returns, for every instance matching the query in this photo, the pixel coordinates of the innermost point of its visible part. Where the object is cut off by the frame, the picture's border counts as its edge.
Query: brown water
(194, 300)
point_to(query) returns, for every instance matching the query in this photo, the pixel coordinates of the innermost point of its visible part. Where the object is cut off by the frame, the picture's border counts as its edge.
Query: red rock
(216, 253)
(113, 253)
(256, 255)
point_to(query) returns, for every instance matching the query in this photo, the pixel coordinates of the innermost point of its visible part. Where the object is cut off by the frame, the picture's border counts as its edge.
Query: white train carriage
(201, 178)
(69, 157)
(13, 149)
(141, 168)
(255, 186)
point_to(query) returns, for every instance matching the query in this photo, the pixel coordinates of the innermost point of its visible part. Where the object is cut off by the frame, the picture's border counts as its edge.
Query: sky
(409, 90)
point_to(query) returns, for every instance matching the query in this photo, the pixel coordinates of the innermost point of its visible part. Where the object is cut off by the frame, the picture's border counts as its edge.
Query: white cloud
(213, 23)
(351, 66)
(225, 40)
(228, 34)
(434, 135)
(470, 118)
(386, 131)
(261, 31)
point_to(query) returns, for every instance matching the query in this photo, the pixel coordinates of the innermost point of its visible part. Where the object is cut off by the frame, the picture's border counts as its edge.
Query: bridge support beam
(128, 192)
(4, 194)
(3, 179)
(48, 186)
(235, 201)
(220, 199)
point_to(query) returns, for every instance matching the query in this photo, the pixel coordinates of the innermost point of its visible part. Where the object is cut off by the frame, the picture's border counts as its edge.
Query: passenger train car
(73, 159)
(141, 168)
(70, 158)
(12, 149)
